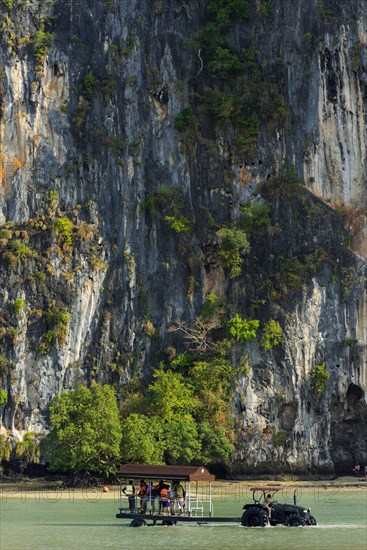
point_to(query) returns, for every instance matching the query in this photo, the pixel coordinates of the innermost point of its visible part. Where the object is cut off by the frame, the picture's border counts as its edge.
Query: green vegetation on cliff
(85, 431)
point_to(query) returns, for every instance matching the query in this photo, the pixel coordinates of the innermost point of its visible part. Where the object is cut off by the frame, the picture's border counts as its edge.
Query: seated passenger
(268, 503)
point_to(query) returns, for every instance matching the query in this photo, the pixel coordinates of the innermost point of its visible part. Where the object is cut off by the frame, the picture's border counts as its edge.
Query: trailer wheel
(138, 522)
(255, 517)
(169, 522)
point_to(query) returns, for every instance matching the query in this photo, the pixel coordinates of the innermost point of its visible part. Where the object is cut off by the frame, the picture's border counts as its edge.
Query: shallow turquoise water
(43, 522)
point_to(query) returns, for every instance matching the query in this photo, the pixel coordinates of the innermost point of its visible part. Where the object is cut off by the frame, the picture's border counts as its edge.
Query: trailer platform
(141, 520)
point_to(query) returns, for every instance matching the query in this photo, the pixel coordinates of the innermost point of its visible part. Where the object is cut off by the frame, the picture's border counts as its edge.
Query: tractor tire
(255, 517)
(295, 521)
(312, 521)
(138, 522)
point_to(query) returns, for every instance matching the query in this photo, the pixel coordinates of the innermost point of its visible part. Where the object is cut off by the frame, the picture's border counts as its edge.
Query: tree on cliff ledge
(85, 431)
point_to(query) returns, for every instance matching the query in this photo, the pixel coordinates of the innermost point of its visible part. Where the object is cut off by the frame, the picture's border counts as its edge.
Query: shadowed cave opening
(349, 430)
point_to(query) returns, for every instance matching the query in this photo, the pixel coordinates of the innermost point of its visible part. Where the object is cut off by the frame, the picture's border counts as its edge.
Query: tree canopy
(85, 431)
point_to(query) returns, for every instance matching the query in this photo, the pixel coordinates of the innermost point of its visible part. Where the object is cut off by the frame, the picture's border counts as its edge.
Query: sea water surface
(68, 520)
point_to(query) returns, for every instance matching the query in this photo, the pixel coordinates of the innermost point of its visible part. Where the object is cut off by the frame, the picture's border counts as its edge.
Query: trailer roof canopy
(268, 489)
(181, 473)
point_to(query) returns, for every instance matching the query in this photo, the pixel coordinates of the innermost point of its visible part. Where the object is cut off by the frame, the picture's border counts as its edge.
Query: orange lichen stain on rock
(355, 222)
(245, 176)
(15, 164)
(8, 167)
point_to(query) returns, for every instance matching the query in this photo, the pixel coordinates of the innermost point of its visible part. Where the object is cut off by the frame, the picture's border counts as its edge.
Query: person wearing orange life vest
(143, 496)
(165, 500)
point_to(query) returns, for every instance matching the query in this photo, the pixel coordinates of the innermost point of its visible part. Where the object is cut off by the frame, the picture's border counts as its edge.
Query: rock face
(89, 96)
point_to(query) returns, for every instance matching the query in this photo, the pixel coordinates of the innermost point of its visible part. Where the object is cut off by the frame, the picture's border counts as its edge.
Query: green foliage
(85, 431)
(180, 401)
(225, 63)
(350, 342)
(256, 217)
(19, 305)
(5, 235)
(315, 259)
(223, 12)
(5, 448)
(215, 444)
(3, 397)
(272, 334)
(212, 307)
(233, 244)
(58, 321)
(240, 92)
(98, 264)
(63, 229)
(183, 416)
(53, 199)
(265, 9)
(180, 224)
(141, 440)
(110, 5)
(150, 205)
(286, 185)
(279, 439)
(41, 42)
(293, 272)
(115, 143)
(318, 378)
(129, 47)
(89, 85)
(28, 449)
(16, 251)
(181, 441)
(20, 249)
(280, 398)
(81, 112)
(241, 329)
(308, 37)
(170, 197)
(4, 364)
(211, 380)
(8, 4)
(183, 363)
(184, 119)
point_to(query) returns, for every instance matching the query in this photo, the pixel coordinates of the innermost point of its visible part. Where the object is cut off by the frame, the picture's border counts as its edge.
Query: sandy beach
(56, 490)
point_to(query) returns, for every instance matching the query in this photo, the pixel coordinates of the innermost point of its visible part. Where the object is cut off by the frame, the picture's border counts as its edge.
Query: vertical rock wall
(95, 122)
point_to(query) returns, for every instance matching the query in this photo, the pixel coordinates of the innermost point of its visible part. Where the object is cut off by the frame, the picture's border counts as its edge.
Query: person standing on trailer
(180, 497)
(165, 500)
(129, 491)
(143, 496)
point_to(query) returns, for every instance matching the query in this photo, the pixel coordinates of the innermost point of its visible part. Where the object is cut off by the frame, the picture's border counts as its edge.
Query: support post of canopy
(210, 500)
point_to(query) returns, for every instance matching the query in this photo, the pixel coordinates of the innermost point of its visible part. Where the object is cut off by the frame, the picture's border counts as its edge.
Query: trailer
(198, 505)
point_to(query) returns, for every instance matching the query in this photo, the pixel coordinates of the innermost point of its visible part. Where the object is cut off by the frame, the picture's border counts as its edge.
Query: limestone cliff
(91, 95)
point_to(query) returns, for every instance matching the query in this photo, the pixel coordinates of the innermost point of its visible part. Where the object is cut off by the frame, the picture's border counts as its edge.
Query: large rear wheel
(295, 521)
(255, 517)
